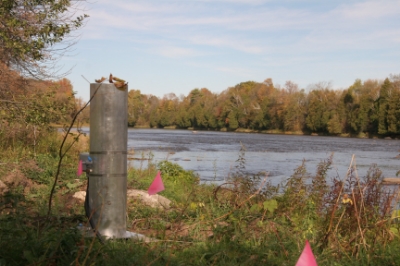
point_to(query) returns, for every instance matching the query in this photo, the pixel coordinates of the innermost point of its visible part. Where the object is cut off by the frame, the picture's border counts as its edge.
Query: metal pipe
(107, 186)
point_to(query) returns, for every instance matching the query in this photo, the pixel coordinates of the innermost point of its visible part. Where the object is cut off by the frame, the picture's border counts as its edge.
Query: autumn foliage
(29, 107)
(364, 109)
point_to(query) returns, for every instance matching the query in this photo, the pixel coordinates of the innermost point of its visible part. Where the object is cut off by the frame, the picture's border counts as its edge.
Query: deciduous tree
(29, 31)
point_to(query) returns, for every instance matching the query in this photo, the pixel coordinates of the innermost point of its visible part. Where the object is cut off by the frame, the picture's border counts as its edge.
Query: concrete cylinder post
(107, 190)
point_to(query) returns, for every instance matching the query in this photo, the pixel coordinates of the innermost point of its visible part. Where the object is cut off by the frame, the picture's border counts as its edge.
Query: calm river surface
(213, 155)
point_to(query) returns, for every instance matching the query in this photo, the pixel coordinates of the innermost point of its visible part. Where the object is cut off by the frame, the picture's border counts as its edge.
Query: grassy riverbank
(246, 221)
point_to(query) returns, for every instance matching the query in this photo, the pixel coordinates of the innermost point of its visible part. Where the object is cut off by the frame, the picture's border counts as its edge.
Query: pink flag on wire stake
(79, 168)
(307, 257)
(157, 185)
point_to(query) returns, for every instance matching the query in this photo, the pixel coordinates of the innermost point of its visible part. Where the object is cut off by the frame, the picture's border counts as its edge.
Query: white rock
(155, 201)
(80, 195)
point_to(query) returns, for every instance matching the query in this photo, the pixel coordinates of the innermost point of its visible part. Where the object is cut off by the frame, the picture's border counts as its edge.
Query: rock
(155, 201)
(3, 188)
(80, 195)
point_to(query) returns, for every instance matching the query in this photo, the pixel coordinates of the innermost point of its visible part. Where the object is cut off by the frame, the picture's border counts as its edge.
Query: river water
(214, 155)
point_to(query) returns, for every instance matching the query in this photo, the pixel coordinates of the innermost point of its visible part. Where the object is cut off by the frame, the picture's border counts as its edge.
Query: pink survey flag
(79, 168)
(307, 257)
(157, 185)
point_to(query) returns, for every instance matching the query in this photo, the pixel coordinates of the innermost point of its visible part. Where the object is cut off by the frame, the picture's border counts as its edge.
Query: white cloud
(369, 10)
(175, 52)
(248, 30)
(239, 43)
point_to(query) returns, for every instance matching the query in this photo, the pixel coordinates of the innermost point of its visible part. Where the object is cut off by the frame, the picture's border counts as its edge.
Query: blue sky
(169, 46)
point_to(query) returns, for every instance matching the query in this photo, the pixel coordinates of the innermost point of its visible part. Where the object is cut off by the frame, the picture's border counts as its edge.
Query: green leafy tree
(29, 30)
(243, 101)
(324, 106)
(202, 108)
(182, 117)
(316, 118)
(352, 107)
(168, 107)
(360, 105)
(334, 125)
(232, 120)
(393, 111)
(383, 106)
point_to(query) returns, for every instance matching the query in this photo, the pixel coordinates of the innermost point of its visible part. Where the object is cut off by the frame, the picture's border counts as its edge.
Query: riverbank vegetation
(348, 220)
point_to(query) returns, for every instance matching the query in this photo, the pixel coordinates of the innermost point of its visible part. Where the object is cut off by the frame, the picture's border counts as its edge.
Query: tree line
(366, 108)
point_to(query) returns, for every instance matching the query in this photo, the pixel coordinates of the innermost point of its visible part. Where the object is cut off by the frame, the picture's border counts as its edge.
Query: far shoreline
(276, 132)
(251, 131)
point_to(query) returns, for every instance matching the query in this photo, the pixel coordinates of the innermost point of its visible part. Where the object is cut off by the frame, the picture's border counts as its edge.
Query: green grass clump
(176, 180)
